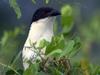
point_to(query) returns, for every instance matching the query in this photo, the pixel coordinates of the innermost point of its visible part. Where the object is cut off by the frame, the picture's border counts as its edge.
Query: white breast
(38, 31)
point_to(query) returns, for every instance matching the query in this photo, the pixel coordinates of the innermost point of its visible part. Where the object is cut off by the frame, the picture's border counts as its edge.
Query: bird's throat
(40, 30)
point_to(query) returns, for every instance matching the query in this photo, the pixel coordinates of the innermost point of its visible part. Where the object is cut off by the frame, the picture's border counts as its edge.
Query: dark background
(8, 16)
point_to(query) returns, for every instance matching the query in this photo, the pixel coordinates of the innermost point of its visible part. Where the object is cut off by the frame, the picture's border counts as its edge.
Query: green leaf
(17, 31)
(34, 1)
(43, 43)
(57, 42)
(56, 72)
(66, 9)
(55, 53)
(9, 36)
(32, 70)
(67, 18)
(46, 1)
(76, 47)
(55, 27)
(16, 8)
(9, 44)
(4, 38)
(11, 69)
(68, 48)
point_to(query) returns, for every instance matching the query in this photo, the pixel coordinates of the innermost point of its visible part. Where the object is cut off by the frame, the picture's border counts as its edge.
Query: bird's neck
(39, 30)
(41, 27)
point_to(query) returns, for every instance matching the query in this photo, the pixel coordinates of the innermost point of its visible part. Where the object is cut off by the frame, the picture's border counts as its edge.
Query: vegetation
(62, 54)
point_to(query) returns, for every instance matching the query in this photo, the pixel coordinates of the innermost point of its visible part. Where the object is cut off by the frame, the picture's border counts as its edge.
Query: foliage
(16, 8)
(57, 57)
(9, 41)
(46, 1)
(92, 27)
(59, 52)
(9, 44)
(90, 32)
(67, 18)
(33, 1)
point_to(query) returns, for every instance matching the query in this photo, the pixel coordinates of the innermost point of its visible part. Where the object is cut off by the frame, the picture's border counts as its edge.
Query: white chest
(38, 31)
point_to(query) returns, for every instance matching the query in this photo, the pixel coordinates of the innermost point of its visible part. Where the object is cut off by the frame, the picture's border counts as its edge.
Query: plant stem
(7, 66)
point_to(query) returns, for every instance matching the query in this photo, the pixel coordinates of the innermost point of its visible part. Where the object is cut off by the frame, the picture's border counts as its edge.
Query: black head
(44, 12)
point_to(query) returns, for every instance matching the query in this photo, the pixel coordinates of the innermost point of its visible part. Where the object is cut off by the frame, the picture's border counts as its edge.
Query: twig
(16, 58)
(7, 66)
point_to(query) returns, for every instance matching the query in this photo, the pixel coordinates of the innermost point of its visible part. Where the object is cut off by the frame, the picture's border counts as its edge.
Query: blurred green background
(15, 17)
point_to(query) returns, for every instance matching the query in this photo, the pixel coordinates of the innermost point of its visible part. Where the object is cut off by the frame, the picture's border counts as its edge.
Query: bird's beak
(54, 13)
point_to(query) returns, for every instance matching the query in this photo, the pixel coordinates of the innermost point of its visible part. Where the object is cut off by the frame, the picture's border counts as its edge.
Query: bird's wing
(29, 54)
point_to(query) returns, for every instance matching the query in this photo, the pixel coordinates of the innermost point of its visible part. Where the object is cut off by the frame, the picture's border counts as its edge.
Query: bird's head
(44, 12)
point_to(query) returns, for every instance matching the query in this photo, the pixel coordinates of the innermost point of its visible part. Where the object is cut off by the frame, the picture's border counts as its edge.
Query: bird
(41, 27)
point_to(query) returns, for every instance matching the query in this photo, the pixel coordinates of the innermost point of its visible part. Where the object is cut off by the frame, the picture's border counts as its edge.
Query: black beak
(54, 13)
